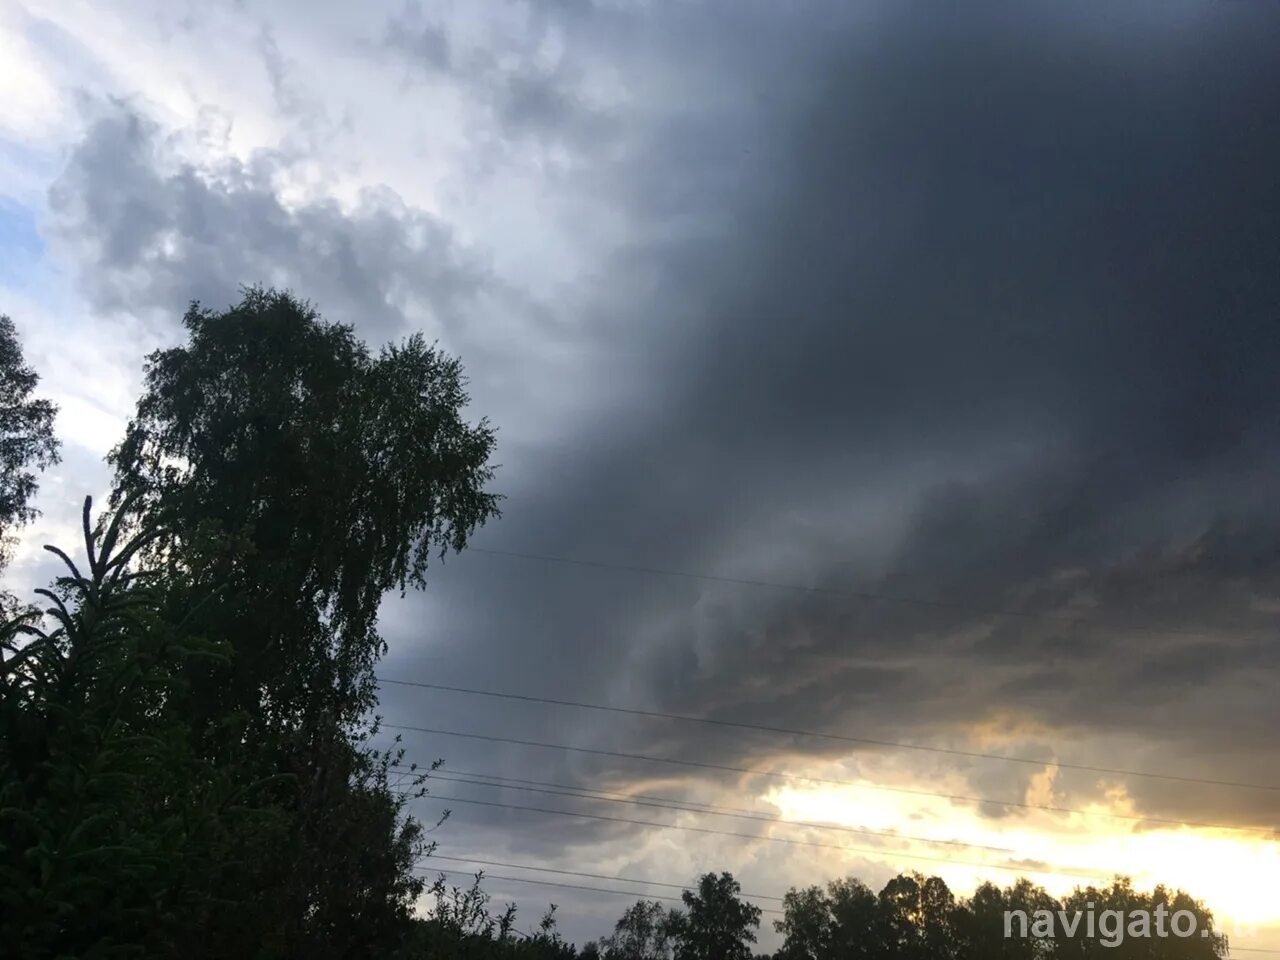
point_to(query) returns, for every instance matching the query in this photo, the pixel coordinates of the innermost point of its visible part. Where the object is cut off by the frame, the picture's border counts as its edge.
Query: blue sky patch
(21, 246)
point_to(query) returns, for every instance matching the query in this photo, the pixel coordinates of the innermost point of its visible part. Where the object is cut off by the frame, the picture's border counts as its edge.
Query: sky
(897, 371)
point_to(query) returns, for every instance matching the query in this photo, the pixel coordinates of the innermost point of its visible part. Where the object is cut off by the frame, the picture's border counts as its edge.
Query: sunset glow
(1233, 871)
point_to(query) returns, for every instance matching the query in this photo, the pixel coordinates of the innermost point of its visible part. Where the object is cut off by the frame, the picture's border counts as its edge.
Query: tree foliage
(307, 477)
(27, 442)
(718, 923)
(918, 918)
(114, 830)
(461, 926)
(186, 768)
(646, 931)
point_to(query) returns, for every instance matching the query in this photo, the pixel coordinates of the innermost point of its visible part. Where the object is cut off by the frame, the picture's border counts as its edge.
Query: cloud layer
(965, 318)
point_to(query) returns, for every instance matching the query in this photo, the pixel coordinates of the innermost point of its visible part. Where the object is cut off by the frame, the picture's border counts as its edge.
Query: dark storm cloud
(1003, 236)
(975, 306)
(155, 233)
(1026, 265)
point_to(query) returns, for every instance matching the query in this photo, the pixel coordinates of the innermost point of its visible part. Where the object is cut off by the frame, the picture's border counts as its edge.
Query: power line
(577, 886)
(577, 873)
(866, 741)
(860, 595)
(793, 777)
(695, 806)
(662, 803)
(1092, 875)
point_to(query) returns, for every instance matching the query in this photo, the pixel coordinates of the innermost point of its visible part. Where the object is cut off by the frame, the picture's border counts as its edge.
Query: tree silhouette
(919, 918)
(304, 477)
(310, 478)
(184, 766)
(807, 925)
(113, 829)
(718, 923)
(27, 442)
(646, 931)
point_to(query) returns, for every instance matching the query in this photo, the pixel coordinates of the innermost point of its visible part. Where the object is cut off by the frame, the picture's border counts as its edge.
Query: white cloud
(30, 99)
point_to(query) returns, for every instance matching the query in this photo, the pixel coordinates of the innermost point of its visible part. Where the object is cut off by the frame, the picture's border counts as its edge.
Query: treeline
(912, 918)
(187, 715)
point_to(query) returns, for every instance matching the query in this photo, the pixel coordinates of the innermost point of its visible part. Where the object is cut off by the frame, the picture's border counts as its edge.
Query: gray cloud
(518, 90)
(1147, 382)
(155, 233)
(1021, 269)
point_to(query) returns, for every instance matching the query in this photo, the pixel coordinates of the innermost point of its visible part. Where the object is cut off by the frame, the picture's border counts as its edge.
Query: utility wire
(576, 886)
(799, 778)
(860, 595)
(1088, 875)
(578, 873)
(669, 804)
(842, 738)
